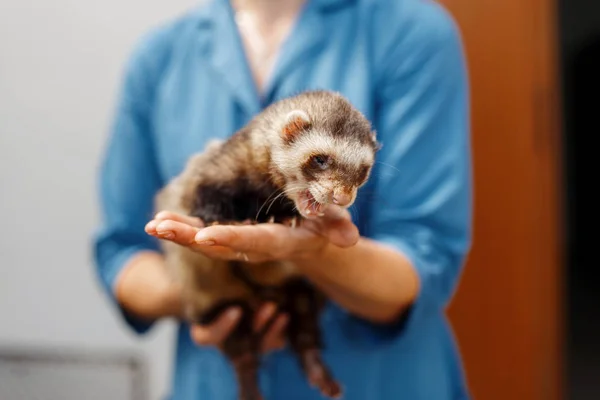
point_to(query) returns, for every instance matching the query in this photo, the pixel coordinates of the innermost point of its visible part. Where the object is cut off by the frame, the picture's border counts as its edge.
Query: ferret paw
(319, 375)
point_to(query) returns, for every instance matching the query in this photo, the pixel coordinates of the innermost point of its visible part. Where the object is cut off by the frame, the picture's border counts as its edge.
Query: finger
(341, 232)
(274, 339)
(334, 212)
(215, 333)
(185, 219)
(263, 316)
(228, 254)
(150, 227)
(176, 232)
(262, 238)
(184, 234)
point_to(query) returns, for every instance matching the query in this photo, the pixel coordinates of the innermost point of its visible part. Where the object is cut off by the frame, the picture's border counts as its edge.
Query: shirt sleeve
(420, 191)
(128, 180)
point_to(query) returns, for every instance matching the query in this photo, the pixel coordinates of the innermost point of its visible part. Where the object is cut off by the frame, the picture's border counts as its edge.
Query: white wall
(60, 63)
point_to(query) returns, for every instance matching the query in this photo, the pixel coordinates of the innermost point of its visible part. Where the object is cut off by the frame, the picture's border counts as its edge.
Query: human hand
(256, 243)
(260, 242)
(215, 333)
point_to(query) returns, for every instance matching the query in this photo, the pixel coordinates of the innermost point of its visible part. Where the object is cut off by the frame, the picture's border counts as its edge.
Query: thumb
(338, 228)
(333, 212)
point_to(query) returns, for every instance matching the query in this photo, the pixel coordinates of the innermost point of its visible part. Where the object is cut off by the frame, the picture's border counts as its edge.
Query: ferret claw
(214, 223)
(319, 376)
(294, 222)
(271, 219)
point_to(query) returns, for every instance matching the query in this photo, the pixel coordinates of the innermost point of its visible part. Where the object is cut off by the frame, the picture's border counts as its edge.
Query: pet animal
(291, 160)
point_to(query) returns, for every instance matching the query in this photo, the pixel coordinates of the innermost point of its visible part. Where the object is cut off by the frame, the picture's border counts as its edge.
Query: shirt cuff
(426, 305)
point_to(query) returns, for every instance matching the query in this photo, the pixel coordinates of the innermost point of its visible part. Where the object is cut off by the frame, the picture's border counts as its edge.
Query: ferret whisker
(271, 157)
(273, 201)
(290, 189)
(388, 165)
(271, 195)
(314, 204)
(353, 213)
(264, 203)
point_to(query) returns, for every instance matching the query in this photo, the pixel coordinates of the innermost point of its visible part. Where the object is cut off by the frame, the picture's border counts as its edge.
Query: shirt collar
(223, 48)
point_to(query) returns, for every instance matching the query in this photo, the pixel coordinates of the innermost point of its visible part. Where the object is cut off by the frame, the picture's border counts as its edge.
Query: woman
(203, 76)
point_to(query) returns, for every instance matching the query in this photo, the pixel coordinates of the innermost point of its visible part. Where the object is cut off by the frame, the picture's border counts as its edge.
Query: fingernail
(151, 226)
(233, 314)
(166, 234)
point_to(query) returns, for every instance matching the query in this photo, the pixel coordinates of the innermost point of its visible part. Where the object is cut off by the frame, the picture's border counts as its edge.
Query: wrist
(329, 254)
(145, 289)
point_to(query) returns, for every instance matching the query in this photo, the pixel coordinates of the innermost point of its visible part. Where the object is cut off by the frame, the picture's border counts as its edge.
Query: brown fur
(206, 279)
(294, 127)
(225, 184)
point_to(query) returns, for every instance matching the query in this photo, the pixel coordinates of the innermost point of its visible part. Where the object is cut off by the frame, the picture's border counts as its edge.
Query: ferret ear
(296, 122)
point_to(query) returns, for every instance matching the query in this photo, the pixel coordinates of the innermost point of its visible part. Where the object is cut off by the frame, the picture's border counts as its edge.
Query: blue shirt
(401, 63)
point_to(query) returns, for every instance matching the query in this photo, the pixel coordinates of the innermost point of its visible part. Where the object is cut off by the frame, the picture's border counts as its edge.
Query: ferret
(291, 160)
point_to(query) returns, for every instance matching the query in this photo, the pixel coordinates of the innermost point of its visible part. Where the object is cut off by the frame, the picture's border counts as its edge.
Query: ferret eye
(321, 161)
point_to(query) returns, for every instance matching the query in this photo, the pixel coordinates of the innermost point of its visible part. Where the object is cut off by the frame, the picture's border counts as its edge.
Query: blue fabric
(401, 63)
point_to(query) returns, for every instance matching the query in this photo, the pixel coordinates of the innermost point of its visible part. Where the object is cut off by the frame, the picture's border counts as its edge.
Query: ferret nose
(342, 198)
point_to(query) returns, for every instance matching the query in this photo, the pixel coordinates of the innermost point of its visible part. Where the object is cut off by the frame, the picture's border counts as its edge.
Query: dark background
(579, 22)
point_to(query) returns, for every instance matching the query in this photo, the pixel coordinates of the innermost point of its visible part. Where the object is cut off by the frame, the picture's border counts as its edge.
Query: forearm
(144, 288)
(368, 279)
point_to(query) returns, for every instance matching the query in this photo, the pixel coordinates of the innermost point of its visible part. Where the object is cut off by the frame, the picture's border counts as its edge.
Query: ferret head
(326, 151)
